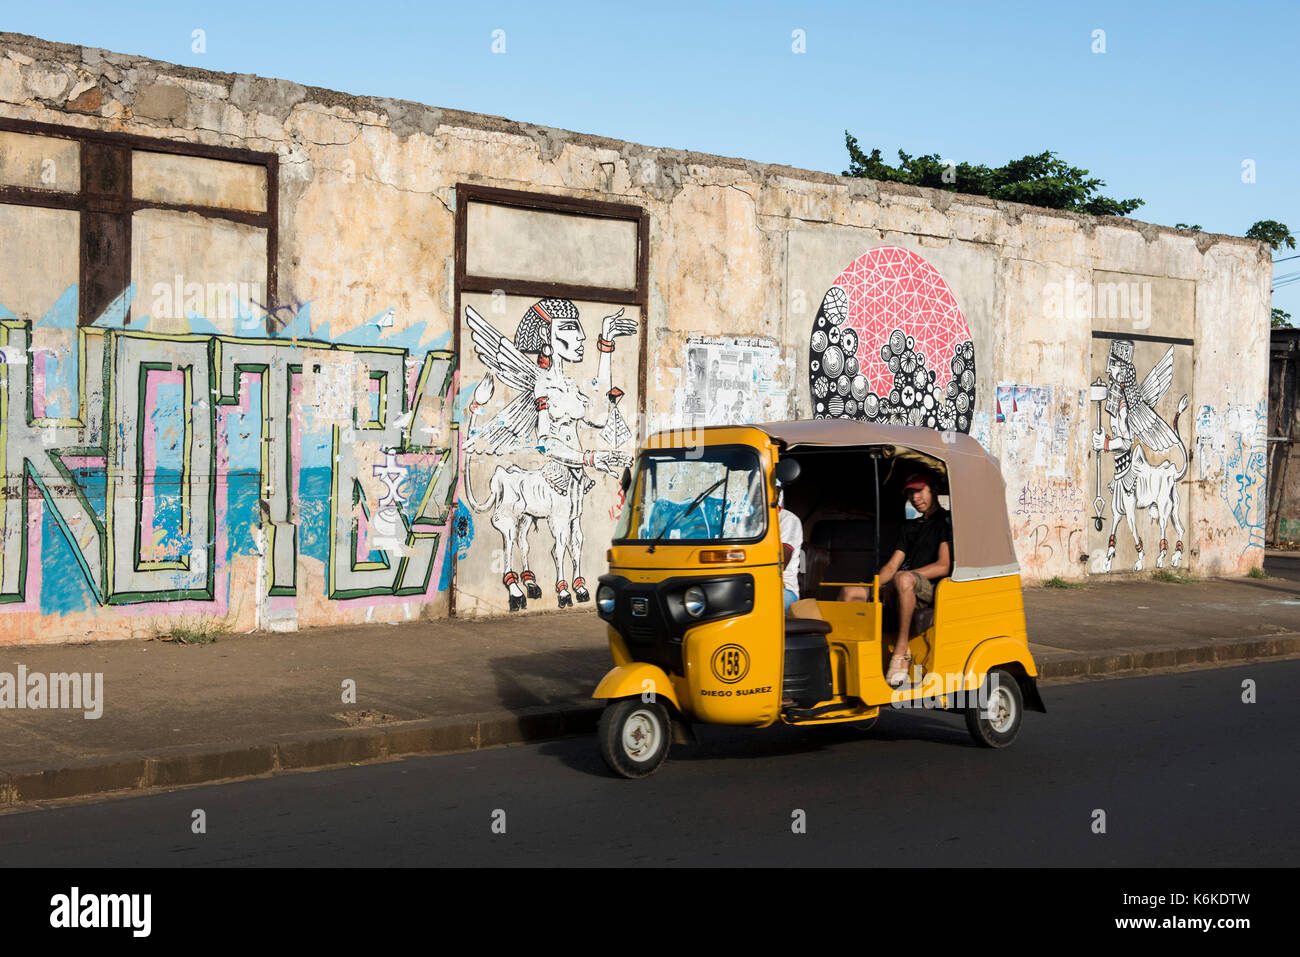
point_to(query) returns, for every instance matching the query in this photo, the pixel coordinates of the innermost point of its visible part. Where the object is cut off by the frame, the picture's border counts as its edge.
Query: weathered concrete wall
(286, 485)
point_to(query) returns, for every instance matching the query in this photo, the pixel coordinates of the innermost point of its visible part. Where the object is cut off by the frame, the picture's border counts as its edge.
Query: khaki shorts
(924, 589)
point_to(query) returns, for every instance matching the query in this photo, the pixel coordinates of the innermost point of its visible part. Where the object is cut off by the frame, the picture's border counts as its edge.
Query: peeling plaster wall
(366, 238)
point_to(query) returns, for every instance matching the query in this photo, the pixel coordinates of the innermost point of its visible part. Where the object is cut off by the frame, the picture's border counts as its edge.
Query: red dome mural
(890, 344)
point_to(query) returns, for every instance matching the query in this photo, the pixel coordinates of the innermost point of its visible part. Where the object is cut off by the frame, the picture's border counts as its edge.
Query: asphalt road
(1184, 771)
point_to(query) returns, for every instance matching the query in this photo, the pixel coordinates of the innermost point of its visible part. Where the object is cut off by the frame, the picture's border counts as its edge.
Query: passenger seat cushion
(806, 626)
(806, 608)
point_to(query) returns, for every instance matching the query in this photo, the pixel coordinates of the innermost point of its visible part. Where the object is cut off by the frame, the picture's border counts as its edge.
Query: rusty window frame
(105, 203)
(638, 296)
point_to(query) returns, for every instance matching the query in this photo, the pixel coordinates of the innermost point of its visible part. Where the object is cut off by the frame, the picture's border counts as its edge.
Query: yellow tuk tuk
(693, 597)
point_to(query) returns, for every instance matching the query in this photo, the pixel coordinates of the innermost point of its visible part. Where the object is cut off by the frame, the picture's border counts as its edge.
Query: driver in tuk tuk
(923, 556)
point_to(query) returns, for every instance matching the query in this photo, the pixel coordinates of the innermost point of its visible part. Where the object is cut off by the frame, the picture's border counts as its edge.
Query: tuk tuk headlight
(694, 601)
(605, 599)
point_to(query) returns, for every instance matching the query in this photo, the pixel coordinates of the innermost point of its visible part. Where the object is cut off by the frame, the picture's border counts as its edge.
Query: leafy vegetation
(1042, 179)
(1272, 232)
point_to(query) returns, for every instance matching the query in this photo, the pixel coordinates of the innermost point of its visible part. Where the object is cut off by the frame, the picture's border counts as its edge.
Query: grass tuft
(1170, 576)
(203, 631)
(1059, 582)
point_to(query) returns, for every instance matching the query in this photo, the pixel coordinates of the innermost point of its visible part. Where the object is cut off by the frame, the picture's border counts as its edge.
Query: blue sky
(1182, 96)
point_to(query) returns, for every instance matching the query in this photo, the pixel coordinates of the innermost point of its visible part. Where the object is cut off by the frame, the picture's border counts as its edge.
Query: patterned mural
(890, 344)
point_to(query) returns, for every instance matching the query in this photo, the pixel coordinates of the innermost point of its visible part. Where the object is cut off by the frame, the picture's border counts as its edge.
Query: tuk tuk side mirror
(625, 482)
(786, 472)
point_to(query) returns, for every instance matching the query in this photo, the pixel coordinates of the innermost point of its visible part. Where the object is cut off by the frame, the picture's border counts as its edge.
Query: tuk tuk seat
(807, 626)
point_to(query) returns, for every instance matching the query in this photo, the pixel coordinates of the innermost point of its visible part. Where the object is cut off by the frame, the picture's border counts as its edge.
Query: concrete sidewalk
(257, 704)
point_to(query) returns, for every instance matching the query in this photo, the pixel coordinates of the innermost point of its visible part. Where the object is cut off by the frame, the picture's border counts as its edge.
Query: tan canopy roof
(982, 543)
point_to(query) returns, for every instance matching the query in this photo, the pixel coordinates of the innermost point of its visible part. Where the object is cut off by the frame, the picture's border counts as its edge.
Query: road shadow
(720, 743)
(564, 677)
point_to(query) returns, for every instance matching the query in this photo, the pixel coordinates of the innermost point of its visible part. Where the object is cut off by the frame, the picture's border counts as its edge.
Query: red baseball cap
(917, 480)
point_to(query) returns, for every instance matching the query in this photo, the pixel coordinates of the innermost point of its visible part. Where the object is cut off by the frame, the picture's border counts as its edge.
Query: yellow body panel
(734, 666)
(969, 613)
(1000, 651)
(617, 647)
(638, 678)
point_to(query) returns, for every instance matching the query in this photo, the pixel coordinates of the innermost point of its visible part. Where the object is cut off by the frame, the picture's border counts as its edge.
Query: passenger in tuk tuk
(923, 556)
(791, 529)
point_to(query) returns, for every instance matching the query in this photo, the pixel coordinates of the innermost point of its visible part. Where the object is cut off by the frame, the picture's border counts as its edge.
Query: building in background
(287, 357)
(1283, 527)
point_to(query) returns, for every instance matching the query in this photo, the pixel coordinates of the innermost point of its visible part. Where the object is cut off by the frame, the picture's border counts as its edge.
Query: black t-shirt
(921, 539)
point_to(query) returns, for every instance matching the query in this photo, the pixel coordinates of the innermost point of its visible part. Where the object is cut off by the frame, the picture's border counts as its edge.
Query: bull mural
(548, 413)
(1138, 485)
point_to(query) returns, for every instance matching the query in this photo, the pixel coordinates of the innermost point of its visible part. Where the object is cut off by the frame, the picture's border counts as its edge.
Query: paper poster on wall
(1006, 400)
(731, 380)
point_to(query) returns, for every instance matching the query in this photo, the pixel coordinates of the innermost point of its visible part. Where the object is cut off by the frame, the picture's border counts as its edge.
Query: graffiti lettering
(1052, 498)
(170, 454)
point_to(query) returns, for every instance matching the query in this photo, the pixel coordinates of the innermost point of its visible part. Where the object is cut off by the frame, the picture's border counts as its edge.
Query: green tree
(1039, 180)
(1272, 232)
(1276, 235)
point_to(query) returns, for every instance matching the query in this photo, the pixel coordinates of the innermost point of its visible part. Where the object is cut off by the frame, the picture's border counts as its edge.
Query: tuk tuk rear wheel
(996, 722)
(634, 737)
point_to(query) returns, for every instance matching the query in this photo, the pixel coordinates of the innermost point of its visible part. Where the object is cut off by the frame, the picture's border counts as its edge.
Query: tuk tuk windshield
(700, 495)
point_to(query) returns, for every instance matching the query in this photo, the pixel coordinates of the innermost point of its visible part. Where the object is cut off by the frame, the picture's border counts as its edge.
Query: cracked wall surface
(365, 217)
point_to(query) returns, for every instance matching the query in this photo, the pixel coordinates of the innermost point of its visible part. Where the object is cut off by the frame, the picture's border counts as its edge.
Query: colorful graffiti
(138, 465)
(1138, 485)
(1242, 454)
(890, 344)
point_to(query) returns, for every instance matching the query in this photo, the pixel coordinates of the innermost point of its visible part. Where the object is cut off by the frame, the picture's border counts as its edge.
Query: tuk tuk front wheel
(994, 722)
(634, 736)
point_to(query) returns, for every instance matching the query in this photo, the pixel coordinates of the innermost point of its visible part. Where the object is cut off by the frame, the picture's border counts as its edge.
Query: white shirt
(792, 535)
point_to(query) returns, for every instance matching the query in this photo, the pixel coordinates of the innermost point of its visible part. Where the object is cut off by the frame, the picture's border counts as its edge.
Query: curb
(308, 751)
(318, 750)
(1122, 660)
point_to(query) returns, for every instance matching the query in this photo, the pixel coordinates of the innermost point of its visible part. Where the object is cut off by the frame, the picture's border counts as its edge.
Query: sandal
(898, 668)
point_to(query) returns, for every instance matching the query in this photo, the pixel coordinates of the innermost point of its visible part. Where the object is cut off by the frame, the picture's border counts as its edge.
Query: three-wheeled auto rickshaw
(694, 598)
